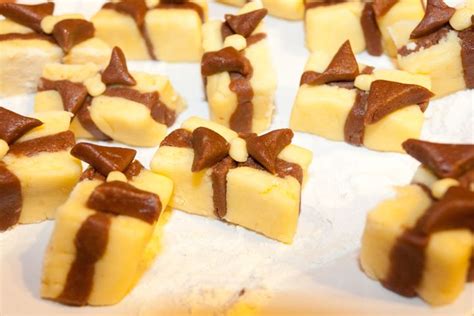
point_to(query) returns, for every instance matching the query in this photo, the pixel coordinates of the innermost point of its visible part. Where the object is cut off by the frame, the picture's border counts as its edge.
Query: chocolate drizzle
(91, 243)
(11, 199)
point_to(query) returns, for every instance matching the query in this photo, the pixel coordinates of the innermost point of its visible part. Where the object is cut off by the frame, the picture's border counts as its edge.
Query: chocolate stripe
(48, 144)
(10, 198)
(241, 120)
(425, 42)
(219, 185)
(354, 127)
(370, 28)
(91, 243)
(467, 54)
(184, 5)
(27, 36)
(84, 117)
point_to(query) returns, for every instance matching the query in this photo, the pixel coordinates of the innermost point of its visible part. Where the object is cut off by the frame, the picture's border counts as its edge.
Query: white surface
(205, 263)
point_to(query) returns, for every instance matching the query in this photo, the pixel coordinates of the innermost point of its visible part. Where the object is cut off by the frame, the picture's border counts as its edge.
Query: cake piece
(341, 100)
(237, 69)
(285, 9)
(31, 37)
(421, 243)
(165, 29)
(132, 108)
(243, 179)
(106, 234)
(441, 46)
(37, 173)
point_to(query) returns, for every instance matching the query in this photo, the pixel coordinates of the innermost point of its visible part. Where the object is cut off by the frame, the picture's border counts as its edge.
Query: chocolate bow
(117, 70)
(436, 16)
(245, 24)
(71, 32)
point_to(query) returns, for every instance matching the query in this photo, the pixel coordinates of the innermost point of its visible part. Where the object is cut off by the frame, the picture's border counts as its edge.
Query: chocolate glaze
(11, 199)
(47, 144)
(70, 32)
(184, 4)
(84, 117)
(159, 111)
(27, 36)
(354, 127)
(121, 198)
(27, 15)
(91, 243)
(467, 54)
(14, 125)
(73, 94)
(179, 138)
(219, 185)
(372, 34)
(425, 42)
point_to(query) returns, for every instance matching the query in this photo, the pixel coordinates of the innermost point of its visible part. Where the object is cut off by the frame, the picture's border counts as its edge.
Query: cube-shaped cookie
(421, 242)
(37, 173)
(237, 69)
(285, 9)
(164, 30)
(31, 37)
(343, 101)
(247, 180)
(440, 46)
(113, 104)
(107, 232)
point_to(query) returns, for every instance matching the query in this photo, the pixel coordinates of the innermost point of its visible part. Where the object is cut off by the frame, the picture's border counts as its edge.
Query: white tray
(205, 264)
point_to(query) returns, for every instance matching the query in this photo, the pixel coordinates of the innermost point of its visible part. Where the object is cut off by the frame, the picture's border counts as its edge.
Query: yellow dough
(267, 203)
(130, 245)
(285, 9)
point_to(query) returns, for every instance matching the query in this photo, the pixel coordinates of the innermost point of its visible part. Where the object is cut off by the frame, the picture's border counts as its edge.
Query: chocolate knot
(445, 160)
(68, 33)
(27, 15)
(386, 97)
(436, 16)
(13, 125)
(104, 159)
(209, 148)
(225, 60)
(343, 67)
(266, 148)
(245, 24)
(117, 70)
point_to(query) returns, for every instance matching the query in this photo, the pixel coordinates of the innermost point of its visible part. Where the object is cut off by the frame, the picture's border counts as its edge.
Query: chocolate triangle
(454, 211)
(445, 160)
(381, 7)
(209, 148)
(104, 159)
(343, 67)
(13, 125)
(266, 148)
(71, 32)
(386, 97)
(27, 15)
(227, 59)
(245, 24)
(117, 70)
(73, 94)
(436, 16)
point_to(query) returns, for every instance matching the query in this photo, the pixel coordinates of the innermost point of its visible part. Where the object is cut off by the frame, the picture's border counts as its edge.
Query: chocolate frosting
(343, 67)
(386, 97)
(381, 7)
(245, 24)
(209, 148)
(354, 127)
(91, 243)
(71, 32)
(436, 16)
(27, 15)
(227, 59)
(372, 34)
(179, 138)
(11, 199)
(13, 125)
(266, 148)
(117, 71)
(47, 144)
(73, 94)
(219, 185)
(104, 159)
(121, 198)
(467, 54)
(445, 160)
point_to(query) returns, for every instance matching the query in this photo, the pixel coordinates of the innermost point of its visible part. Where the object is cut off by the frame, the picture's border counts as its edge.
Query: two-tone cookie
(37, 173)
(31, 37)
(238, 73)
(285, 9)
(341, 100)
(441, 46)
(243, 179)
(421, 243)
(133, 108)
(154, 29)
(107, 233)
